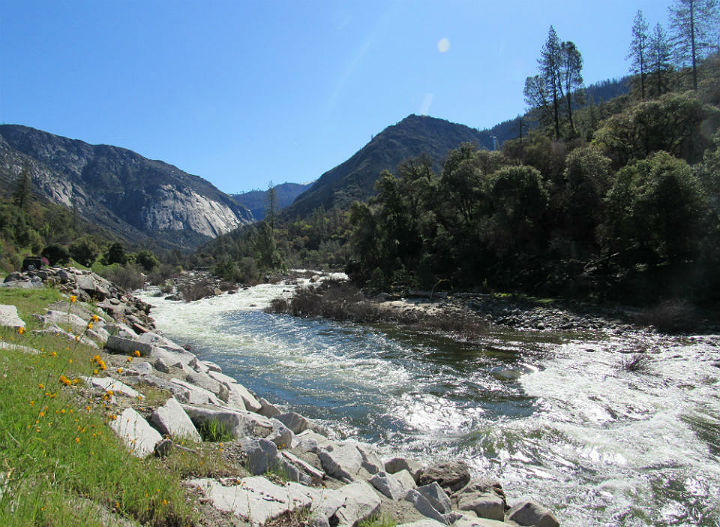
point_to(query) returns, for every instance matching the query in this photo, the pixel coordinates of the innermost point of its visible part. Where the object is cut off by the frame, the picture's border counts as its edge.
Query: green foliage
(115, 254)
(656, 209)
(84, 251)
(215, 431)
(56, 254)
(146, 260)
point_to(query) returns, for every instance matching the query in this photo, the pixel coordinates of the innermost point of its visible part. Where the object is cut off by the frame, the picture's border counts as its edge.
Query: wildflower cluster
(100, 363)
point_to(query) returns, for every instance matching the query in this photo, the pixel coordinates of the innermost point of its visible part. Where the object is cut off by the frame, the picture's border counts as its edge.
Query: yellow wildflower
(90, 325)
(21, 330)
(41, 386)
(53, 354)
(136, 353)
(64, 380)
(119, 370)
(129, 359)
(95, 318)
(73, 298)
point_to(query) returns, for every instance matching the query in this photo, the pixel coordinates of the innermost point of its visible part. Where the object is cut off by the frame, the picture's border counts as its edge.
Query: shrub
(125, 276)
(670, 316)
(56, 254)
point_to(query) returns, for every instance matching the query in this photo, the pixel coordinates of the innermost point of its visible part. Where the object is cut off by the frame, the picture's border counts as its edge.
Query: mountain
(257, 200)
(141, 200)
(354, 179)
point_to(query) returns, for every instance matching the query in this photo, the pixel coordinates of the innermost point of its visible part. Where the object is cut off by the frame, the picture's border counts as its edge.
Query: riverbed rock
(427, 522)
(203, 380)
(528, 512)
(436, 496)
(172, 420)
(255, 499)
(485, 505)
(161, 366)
(125, 346)
(361, 502)
(480, 486)
(281, 435)
(136, 433)
(268, 409)
(109, 384)
(424, 507)
(261, 455)
(452, 475)
(397, 464)
(235, 422)
(191, 394)
(9, 317)
(387, 484)
(158, 341)
(405, 479)
(237, 392)
(294, 421)
(342, 461)
(466, 521)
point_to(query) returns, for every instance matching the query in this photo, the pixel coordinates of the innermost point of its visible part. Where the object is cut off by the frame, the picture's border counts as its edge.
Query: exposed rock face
(452, 475)
(135, 431)
(137, 198)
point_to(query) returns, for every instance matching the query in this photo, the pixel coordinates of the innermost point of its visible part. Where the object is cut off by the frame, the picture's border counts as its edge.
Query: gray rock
(361, 503)
(397, 464)
(487, 505)
(482, 486)
(158, 341)
(235, 422)
(452, 475)
(530, 513)
(309, 441)
(237, 392)
(370, 459)
(170, 419)
(424, 507)
(9, 317)
(161, 366)
(208, 383)
(315, 474)
(18, 347)
(164, 448)
(94, 285)
(341, 460)
(191, 394)
(281, 435)
(294, 421)
(125, 346)
(255, 499)
(436, 496)
(405, 479)
(427, 522)
(211, 366)
(268, 409)
(64, 319)
(110, 384)
(466, 521)
(261, 455)
(136, 433)
(140, 367)
(386, 484)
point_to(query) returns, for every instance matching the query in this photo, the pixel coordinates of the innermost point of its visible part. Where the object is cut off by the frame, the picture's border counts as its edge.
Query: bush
(125, 276)
(56, 254)
(196, 290)
(84, 251)
(670, 316)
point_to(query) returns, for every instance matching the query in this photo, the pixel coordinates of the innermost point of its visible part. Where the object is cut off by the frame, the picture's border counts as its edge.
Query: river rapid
(552, 416)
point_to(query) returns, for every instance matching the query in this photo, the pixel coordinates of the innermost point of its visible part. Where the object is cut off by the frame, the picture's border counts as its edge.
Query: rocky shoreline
(290, 470)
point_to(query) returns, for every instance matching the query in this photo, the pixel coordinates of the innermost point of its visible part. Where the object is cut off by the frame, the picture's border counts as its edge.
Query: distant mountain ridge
(257, 200)
(139, 199)
(355, 178)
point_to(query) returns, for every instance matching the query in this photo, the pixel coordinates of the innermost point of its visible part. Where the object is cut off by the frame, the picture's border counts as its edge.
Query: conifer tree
(22, 194)
(549, 62)
(639, 49)
(660, 55)
(694, 25)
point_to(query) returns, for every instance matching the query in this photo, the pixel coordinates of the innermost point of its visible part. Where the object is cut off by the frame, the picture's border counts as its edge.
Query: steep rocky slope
(257, 200)
(137, 198)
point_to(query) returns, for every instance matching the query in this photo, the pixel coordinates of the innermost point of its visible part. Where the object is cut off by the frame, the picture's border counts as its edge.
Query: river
(552, 416)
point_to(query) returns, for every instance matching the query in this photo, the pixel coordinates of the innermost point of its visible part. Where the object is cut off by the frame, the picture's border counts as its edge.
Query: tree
(639, 49)
(146, 259)
(536, 96)
(659, 57)
(22, 195)
(56, 254)
(84, 251)
(115, 254)
(550, 58)
(571, 79)
(271, 206)
(694, 26)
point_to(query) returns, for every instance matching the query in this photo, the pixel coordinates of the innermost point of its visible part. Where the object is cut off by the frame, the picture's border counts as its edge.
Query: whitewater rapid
(554, 418)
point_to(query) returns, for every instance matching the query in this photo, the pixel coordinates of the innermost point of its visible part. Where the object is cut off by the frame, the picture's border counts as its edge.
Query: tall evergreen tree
(550, 58)
(694, 25)
(271, 206)
(571, 79)
(639, 49)
(22, 195)
(660, 55)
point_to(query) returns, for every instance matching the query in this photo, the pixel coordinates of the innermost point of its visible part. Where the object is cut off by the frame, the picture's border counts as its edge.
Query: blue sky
(244, 92)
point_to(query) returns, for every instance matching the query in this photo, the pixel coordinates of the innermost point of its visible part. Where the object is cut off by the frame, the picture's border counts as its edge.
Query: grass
(29, 301)
(215, 432)
(636, 363)
(206, 461)
(378, 520)
(61, 463)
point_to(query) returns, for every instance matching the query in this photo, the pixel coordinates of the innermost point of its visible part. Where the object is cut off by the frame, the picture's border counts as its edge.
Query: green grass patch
(29, 301)
(215, 432)
(378, 520)
(60, 461)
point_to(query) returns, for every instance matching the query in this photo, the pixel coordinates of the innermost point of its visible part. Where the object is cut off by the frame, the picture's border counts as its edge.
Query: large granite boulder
(172, 420)
(136, 433)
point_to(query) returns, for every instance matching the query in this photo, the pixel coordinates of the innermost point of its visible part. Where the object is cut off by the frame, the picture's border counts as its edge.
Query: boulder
(482, 486)
(387, 484)
(341, 460)
(208, 383)
(452, 475)
(110, 384)
(261, 455)
(125, 346)
(161, 366)
(235, 422)
(405, 479)
(9, 317)
(140, 367)
(18, 347)
(530, 513)
(158, 341)
(436, 496)
(424, 507)
(281, 435)
(397, 464)
(316, 475)
(427, 522)
(294, 421)
(136, 433)
(237, 391)
(485, 505)
(466, 521)
(361, 502)
(268, 409)
(255, 499)
(94, 285)
(191, 394)
(63, 319)
(310, 441)
(170, 419)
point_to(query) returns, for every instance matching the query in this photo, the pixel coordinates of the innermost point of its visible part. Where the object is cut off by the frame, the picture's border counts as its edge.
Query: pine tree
(694, 25)
(659, 59)
(571, 79)
(639, 49)
(550, 72)
(22, 195)
(271, 211)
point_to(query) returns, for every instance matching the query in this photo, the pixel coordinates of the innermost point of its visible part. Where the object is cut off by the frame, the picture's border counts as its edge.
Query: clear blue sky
(244, 92)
